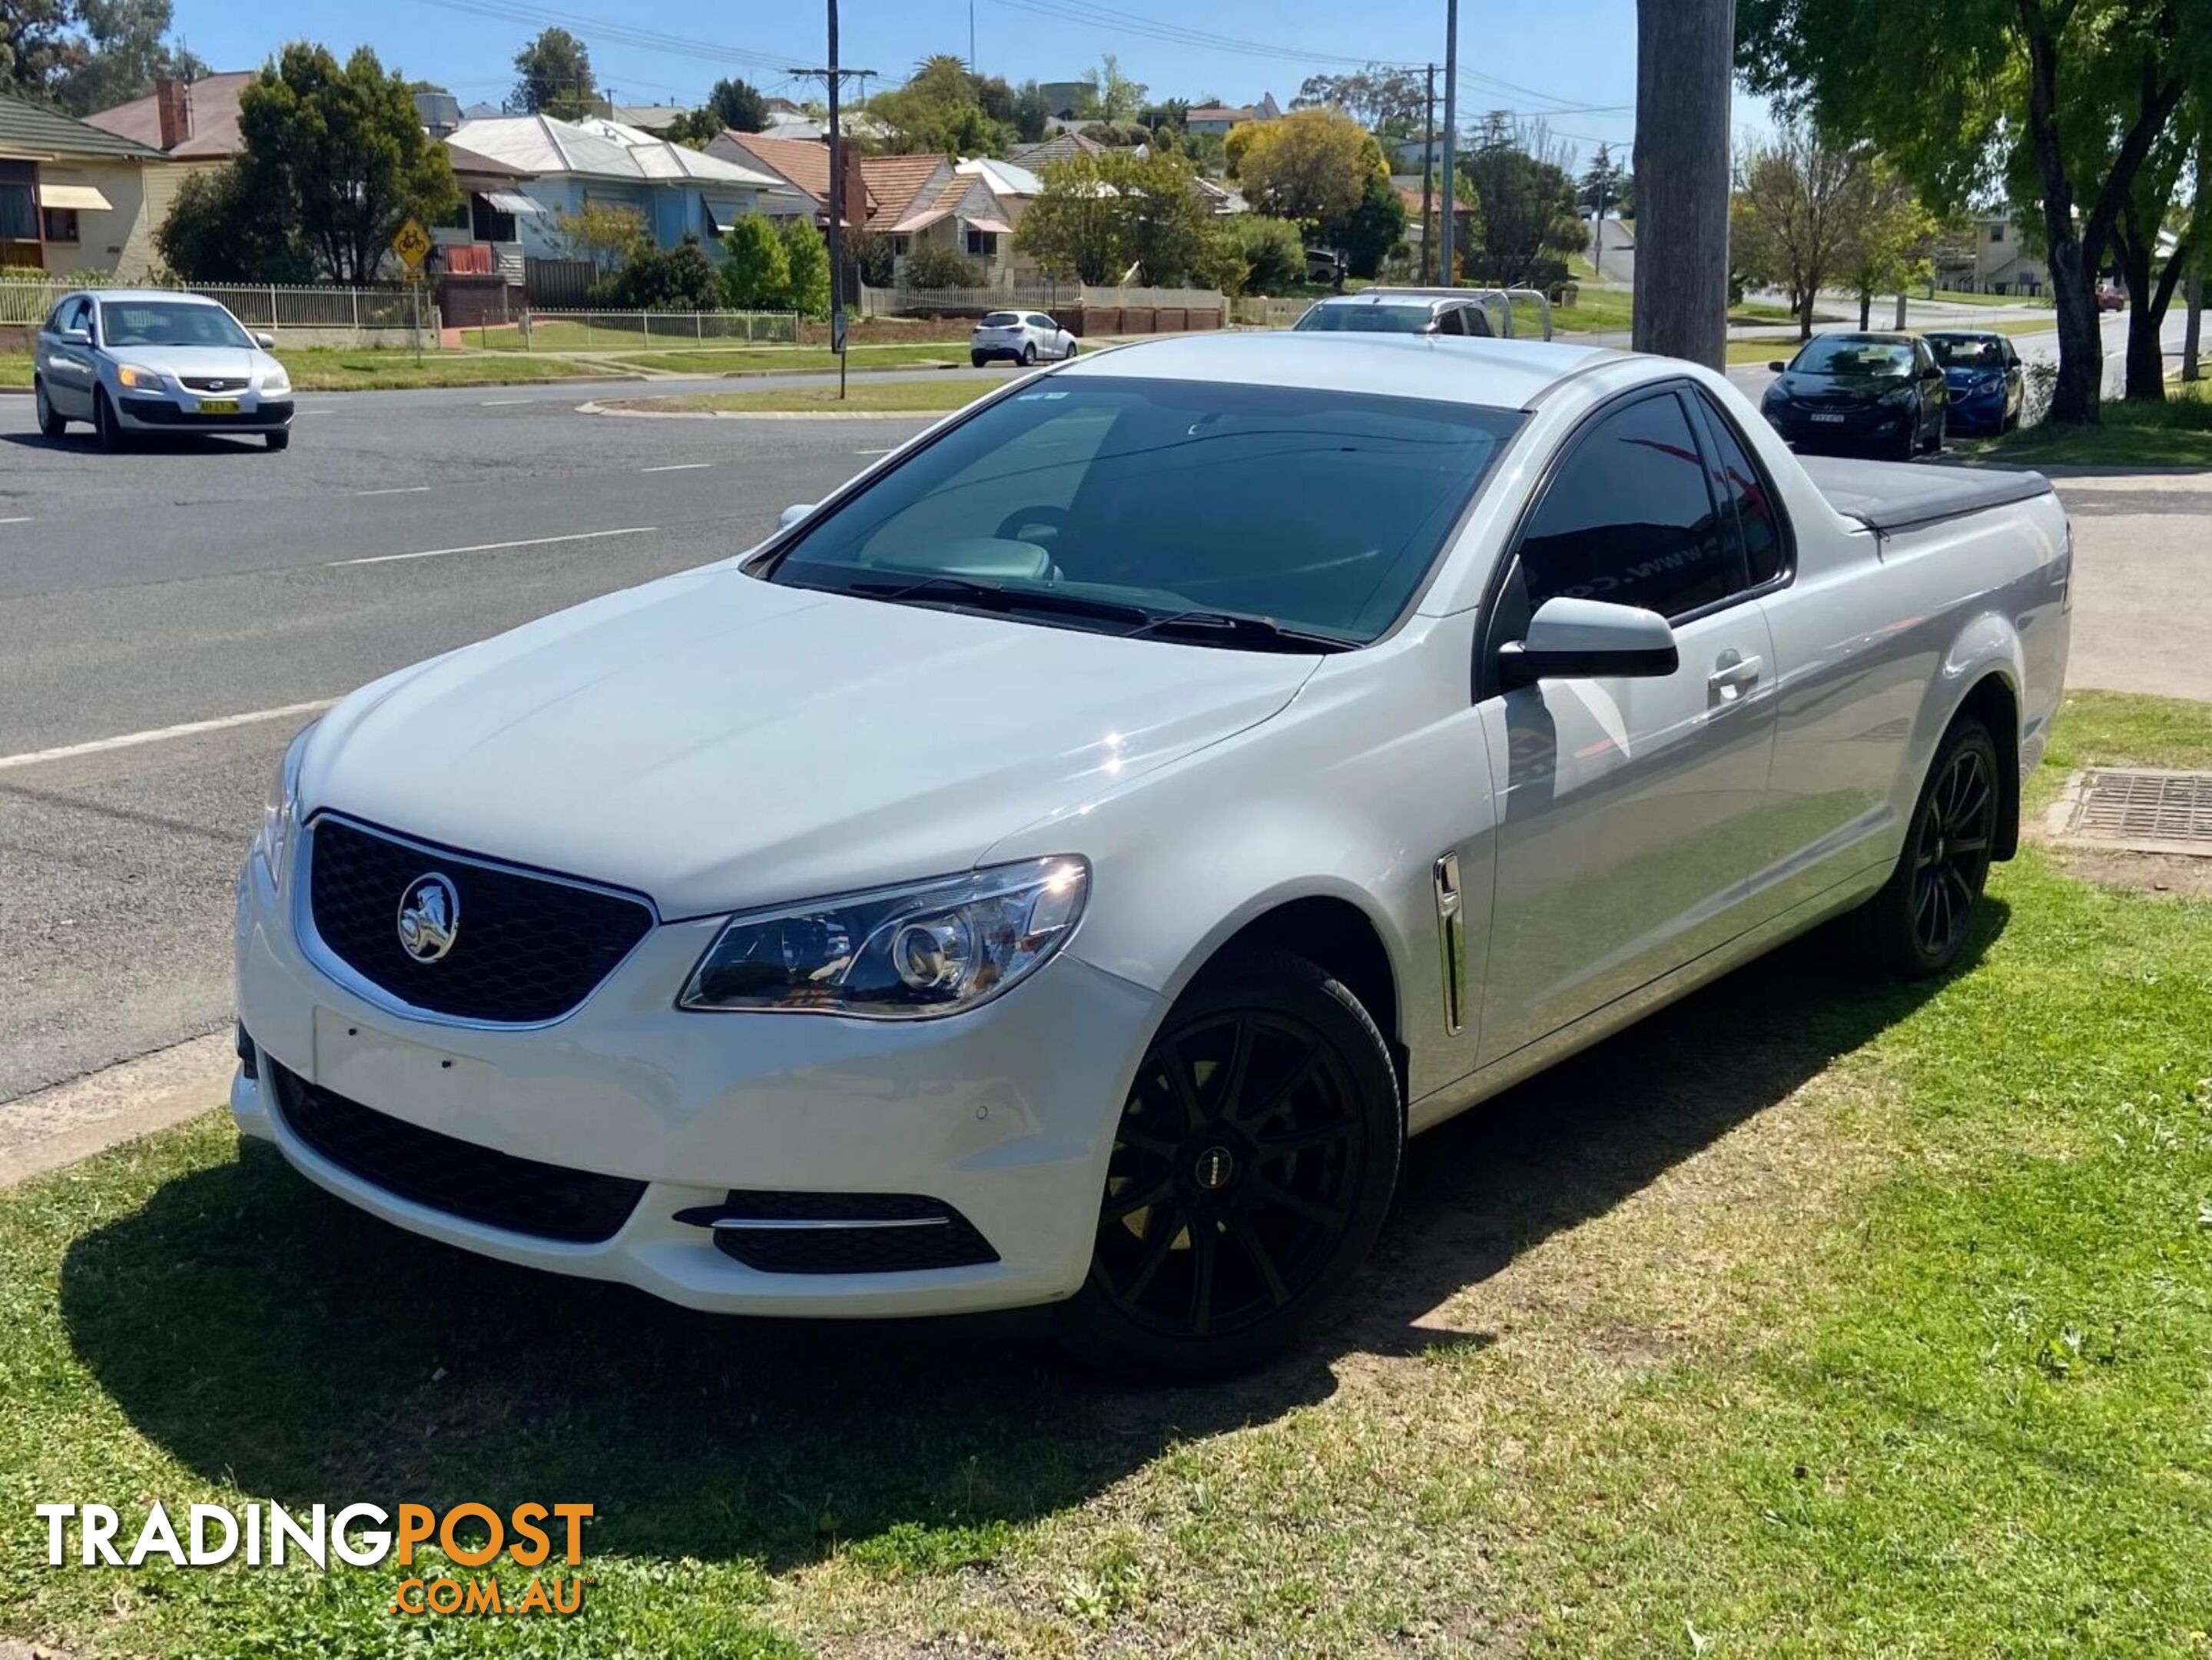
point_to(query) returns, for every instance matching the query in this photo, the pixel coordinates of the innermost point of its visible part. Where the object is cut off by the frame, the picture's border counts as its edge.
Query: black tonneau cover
(1896, 495)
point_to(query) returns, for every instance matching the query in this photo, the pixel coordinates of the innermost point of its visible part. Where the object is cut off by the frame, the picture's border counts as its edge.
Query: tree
(1311, 165)
(36, 46)
(1391, 102)
(1099, 215)
(1889, 239)
(1528, 225)
(681, 278)
(1270, 254)
(2150, 278)
(606, 233)
(940, 112)
(756, 268)
(1607, 186)
(338, 154)
(220, 230)
(1114, 95)
(124, 52)
(1367, 234)
(1030, 113)
(2070, 95)
(738, 105)
(1790, 219)
(806, 259)
(556, 71)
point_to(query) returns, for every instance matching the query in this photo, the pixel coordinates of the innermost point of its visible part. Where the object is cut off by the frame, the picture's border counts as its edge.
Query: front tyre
(1251, 1172)
(277, 440)
(50, 423)
(104, 424)
(1920, 921)
(1028, 356)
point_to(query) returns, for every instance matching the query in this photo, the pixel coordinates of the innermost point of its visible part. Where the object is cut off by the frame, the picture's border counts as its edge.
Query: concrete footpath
(2143, 580)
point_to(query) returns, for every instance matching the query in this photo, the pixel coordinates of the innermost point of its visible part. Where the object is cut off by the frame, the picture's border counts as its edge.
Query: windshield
(1001, 320)
(1366, 319)
(167, 323)
(1143, 499)
(1839, 353)
(1968, 351)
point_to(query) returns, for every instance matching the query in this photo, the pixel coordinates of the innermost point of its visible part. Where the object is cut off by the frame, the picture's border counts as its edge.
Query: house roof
(34, 133)
(653, 117)
(467, 161)
(538, 145)
(1002, 177)
(1061, 147)
(1218, 113)
(894, 181)
(211, 104)
(802, 162)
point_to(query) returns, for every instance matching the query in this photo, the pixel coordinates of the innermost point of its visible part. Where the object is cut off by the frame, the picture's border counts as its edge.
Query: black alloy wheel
(1920, 921)
(1250, 1172)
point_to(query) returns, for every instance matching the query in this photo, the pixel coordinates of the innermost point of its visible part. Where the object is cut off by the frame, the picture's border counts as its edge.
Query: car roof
(1868, 337)
(1493, 374)
(179, 295)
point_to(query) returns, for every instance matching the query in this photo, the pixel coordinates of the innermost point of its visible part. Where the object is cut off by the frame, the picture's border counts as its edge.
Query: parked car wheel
(977, 358)
(1919, 923)
(1252, 1168)
(1907, 442)
(1073, 346)
(277, 440)
(50, 424)
(104, 426)
(1029, 355)
(1934, 444)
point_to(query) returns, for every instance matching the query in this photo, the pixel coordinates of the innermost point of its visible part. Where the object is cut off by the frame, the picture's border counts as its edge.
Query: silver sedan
(151, 359)
(1025, 337)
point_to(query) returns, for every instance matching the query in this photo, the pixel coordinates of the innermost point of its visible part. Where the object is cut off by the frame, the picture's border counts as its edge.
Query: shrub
(756, 274)
(806, 256)
(1271, 251)
(870, 254)
(934, 265)
(680, 279)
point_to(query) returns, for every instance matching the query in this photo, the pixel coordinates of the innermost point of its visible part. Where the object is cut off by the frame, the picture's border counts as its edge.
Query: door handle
(1731, 677)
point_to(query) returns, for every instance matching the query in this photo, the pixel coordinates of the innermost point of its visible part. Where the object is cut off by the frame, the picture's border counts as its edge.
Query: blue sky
(1575, 59)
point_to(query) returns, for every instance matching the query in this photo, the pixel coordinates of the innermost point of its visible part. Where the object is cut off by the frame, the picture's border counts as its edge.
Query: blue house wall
(670, 210)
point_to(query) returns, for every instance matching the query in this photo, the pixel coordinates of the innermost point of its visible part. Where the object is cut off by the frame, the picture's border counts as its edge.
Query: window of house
(486, 224)
(1996, 232)
(900, 246)
(1628, 519)
(982, 243)
(60, 223)
(19, 203)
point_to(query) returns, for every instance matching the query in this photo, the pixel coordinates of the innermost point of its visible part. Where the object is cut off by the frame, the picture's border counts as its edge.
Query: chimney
(173, 104)
(856, 188)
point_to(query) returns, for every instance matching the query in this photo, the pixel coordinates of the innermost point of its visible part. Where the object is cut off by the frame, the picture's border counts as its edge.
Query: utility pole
(1448, 271)
(834, 78)
(1428, 183)
(971, 37)
(1685, 64)
(1597, 246)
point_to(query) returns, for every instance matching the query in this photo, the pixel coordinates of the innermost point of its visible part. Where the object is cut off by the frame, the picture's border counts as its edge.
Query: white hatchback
(1066, 865)
(1023, 337)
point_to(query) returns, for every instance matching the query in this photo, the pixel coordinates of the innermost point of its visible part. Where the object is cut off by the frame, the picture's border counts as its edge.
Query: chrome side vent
(1451, 937)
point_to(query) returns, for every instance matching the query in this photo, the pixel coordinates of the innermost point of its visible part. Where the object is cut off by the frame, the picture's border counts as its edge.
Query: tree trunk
(1866, 310)
(2145, 382)
(1805, 316)
(2079, 388)
(1684, 66)
(2193, 329)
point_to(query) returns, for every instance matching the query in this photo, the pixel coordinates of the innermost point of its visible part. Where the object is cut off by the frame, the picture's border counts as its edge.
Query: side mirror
(1588, 639)
(266, 342)
(76, 338)
(792, 514)
(1777, 366)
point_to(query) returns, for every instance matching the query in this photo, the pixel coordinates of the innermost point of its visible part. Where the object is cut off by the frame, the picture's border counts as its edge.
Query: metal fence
(266, 306)
(653, 331)
(1258, 311)
(1029, 296)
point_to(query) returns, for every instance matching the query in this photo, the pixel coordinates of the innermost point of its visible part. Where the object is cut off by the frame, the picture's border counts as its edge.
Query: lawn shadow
(269, 1336)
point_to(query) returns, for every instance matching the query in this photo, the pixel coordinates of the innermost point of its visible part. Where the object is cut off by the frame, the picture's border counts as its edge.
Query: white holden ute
(1067, 866)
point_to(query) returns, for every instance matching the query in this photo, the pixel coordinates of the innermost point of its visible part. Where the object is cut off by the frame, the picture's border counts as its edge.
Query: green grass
(1811, 1318)
(1596, 311)
(15, 369)
(333, 368)
(2175, 433)
(795, 360)
(930, 396)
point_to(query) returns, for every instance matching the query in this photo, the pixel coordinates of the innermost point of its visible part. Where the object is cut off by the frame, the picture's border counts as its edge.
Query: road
(157, 589)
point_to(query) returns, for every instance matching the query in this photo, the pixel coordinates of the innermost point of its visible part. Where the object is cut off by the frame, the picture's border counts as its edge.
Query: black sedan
(1883, 394)
(1983, 373)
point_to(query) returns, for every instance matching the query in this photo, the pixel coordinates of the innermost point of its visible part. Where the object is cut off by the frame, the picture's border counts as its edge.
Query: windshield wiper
(983, 596)
(1254, 633)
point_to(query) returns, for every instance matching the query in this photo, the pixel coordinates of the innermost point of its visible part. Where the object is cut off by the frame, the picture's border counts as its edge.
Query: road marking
(489, 547)
(160, 734)
(397, 489)
(883, 451)
(678, 466)
(25, 519)
(502, 403)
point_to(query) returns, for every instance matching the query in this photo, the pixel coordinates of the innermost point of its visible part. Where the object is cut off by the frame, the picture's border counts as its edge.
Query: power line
(595, 28)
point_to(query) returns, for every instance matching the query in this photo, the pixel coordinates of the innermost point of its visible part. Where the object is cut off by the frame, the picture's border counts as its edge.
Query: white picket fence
(656, 330)
(272, 306)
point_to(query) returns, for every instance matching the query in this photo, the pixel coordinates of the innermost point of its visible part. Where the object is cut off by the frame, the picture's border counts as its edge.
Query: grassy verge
(794, 360)
(1811, 1318)
(1960, 297)
(933, 397)
(1596, 311)
(330, 369)
(2175, 433)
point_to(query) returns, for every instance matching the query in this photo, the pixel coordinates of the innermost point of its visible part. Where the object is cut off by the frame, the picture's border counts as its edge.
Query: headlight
(281, 809)
(276, 382)
(904, 953)
(131, 376)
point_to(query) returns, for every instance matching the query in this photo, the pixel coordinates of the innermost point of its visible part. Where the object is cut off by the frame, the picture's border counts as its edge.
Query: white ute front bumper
(1004, 1113)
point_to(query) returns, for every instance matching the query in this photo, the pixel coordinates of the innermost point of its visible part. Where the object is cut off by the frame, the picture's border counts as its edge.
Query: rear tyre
(1252, 1168)
(1907, 444)
(1920, 921)
(277, 440)
(50, 424)
(977, 358)
(104, 425)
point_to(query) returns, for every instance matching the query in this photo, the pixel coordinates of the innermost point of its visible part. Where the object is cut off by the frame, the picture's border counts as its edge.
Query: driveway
(2143, 607)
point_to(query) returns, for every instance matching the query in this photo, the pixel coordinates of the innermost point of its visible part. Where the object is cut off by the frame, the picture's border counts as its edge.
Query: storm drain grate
(2139, 807)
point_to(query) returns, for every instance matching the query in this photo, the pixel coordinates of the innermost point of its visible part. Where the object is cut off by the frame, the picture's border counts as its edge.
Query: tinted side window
(1738, 481)
(1449, 323)
(1628, 519)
